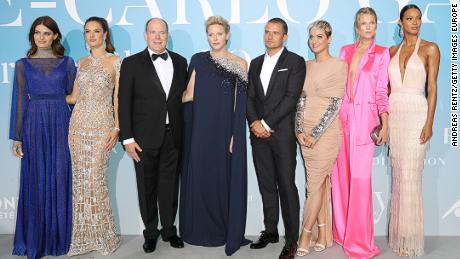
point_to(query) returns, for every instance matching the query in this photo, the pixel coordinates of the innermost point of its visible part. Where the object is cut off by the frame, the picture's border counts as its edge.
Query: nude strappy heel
(304, 251)
(318, 247)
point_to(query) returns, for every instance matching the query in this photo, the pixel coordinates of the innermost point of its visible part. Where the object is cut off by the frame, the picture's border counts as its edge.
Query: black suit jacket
(142, 100)
(276, 107)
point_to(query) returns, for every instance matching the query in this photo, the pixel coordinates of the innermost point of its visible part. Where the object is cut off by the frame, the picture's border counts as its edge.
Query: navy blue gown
(214, 181)
(40, 119)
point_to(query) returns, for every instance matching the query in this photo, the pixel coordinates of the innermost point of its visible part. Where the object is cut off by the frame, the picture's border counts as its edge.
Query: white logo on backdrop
(384, 161)
(455, 209)
(8, 207)
(206, 9)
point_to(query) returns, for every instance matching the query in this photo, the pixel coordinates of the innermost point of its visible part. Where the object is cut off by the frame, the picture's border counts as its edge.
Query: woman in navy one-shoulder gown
(39, 130)
(214, 180)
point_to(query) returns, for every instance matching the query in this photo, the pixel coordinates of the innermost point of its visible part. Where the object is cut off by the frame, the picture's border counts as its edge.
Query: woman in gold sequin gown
(93, 133)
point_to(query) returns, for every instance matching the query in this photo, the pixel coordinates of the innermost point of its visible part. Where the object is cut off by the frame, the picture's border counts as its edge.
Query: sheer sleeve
(299, 114)
(71, 73)
(19, 101)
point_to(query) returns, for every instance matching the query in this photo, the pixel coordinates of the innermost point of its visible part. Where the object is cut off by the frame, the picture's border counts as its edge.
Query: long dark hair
(48, 22)
(105, 27)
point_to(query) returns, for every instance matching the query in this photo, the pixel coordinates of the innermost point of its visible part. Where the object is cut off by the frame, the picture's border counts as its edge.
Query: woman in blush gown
(214, 180)
(92, 135)
(39, 127)
(366, 99)
(414, 63)
(319, 133)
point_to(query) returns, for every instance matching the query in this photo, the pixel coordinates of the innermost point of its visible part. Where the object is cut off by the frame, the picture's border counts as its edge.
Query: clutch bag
(375, 133)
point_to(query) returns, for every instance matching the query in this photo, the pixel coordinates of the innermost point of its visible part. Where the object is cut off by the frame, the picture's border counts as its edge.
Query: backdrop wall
(441, 179)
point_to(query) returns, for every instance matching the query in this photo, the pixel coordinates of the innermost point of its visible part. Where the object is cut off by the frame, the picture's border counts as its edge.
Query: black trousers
(158, 186)
(275, 162)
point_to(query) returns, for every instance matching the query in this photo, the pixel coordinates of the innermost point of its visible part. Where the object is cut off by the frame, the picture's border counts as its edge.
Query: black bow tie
(163, 55)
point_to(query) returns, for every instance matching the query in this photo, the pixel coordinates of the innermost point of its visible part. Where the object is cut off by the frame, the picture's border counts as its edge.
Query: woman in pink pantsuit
(366, 99)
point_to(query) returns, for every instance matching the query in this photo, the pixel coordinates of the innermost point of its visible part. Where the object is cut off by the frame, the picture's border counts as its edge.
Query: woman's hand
(310, 141)
(306, 140)
(383, 136)
(17, 149)
(427, 133)
(301, 138)
(112, 140)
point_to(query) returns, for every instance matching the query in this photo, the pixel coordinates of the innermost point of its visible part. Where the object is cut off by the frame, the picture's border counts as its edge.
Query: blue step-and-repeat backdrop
(441, 177)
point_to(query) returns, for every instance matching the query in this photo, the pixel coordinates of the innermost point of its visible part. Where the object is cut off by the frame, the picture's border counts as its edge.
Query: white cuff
(266, 126)
(128, 141)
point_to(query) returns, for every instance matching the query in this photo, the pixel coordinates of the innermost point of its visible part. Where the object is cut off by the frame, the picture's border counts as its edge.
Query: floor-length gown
(90, 124)
(214, 181)
(324, 89)
(408, 113)
(40, 119)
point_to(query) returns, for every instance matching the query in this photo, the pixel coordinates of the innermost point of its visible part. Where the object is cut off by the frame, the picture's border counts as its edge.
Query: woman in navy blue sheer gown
(39, 130)
(214, 181)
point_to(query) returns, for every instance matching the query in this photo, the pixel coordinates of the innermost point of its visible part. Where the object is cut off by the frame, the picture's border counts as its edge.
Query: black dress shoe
(288, 251)
(174, 241)
(150, 245)
(264, 239)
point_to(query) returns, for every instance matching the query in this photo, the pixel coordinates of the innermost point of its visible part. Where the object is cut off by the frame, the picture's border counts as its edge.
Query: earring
(401, 32)
(87, 47)
(104, 45)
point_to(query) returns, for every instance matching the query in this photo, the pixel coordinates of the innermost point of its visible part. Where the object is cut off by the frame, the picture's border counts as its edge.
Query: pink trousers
(353, 224)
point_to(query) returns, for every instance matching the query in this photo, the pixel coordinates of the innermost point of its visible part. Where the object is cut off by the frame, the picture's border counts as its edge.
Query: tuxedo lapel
(275, 71)
(259, 87)
(153, 72)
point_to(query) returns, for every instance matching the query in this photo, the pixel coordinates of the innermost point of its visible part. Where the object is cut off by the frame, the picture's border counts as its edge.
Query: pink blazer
(370, 90)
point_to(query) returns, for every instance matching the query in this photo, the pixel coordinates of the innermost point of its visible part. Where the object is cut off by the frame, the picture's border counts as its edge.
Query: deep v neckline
(402, 76)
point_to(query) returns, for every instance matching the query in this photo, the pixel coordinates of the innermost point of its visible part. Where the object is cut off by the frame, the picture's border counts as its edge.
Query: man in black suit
(150, 110)
(275, 84)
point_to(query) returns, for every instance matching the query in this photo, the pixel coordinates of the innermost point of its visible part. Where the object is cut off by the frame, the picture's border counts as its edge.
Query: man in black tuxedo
(275, 84)
(150, 111)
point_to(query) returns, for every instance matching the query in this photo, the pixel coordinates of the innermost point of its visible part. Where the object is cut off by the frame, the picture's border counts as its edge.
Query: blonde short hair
(323, 25)
(219, 20)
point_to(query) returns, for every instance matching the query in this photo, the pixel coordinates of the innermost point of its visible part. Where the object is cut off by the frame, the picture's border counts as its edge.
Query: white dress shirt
(266, 73)
(165, 71)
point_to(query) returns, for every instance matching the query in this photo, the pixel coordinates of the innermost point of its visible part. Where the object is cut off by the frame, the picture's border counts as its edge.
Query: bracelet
(117, 129)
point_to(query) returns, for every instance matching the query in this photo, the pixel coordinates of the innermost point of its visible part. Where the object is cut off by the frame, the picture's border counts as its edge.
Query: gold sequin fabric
(91, 122)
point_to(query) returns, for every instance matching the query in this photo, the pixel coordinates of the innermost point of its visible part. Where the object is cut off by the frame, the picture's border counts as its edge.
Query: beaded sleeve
(299, 114)
(327, 118)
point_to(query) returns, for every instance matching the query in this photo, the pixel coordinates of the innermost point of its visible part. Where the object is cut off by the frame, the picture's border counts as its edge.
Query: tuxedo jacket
(277, 107)
(143, 104)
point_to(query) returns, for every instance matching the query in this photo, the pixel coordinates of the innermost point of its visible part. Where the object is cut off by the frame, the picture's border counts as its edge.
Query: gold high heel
(318, 247)
(304, 251)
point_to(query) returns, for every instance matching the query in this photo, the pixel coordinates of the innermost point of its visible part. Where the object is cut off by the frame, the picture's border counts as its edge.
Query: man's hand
(258, 129)
(132, 149)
